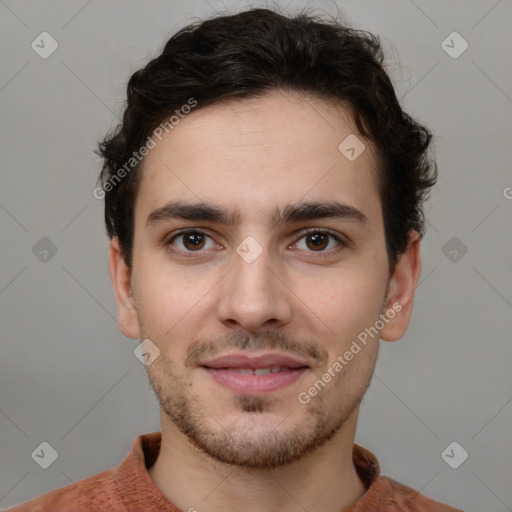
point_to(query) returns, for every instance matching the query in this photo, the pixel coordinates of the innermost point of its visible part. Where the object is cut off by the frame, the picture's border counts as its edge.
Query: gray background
(69, 377)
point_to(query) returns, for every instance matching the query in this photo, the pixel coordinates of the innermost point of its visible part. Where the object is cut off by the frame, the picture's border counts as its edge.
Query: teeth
(276, 369)
(260, 371)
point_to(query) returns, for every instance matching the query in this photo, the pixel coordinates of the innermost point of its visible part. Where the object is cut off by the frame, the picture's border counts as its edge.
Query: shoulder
(95, 493)
(402, 498)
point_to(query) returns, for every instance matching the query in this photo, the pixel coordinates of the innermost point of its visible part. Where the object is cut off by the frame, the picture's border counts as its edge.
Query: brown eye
(324, 242)
(317, 241)
(193, 241)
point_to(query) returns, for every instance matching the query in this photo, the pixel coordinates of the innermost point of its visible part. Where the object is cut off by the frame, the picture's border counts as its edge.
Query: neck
(324, 480)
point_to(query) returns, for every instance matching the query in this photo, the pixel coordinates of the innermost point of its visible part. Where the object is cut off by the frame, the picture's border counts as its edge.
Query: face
(259, 257)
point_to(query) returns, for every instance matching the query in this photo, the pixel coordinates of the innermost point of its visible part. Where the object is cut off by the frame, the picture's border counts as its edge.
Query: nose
(253, 298)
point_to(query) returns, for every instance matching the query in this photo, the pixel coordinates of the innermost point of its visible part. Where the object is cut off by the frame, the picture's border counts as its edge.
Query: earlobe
(120, 274)
(402, 287)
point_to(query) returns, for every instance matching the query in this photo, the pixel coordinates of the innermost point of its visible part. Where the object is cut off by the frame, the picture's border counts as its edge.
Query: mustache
(270, 340)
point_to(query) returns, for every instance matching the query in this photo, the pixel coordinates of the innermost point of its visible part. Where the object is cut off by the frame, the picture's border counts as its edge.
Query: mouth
(261, 373)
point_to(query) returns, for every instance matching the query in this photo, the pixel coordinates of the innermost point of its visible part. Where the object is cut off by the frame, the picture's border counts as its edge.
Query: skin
(267, 451)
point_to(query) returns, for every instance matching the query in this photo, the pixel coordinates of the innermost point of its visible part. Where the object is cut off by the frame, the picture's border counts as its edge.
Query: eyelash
(343, 244)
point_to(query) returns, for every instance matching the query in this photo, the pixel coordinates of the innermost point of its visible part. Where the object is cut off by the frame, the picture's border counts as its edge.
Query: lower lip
(248, 384)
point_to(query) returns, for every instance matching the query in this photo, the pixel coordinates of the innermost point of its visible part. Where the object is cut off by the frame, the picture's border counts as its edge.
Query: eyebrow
(290, 213)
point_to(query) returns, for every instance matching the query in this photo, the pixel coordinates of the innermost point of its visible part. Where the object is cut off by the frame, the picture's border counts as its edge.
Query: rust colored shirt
(129, 488)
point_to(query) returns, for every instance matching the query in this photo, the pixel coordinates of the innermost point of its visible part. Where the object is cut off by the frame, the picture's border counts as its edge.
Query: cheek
(348, 303)
(162, 300)
(173, 303)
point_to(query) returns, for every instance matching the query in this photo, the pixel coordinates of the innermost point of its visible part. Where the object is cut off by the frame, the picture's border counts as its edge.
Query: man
(263, 196)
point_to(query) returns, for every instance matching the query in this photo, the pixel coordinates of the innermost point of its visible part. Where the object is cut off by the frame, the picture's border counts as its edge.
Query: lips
(254, 375)
(245, 361)
(259, 371)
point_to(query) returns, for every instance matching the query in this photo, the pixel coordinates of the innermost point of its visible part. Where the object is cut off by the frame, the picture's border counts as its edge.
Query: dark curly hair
(247, 55)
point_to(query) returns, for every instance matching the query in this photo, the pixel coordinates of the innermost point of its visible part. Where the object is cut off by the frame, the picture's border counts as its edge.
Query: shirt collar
(138, 490)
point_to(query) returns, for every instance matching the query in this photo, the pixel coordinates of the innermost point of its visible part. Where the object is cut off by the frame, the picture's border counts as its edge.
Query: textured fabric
(129, 488)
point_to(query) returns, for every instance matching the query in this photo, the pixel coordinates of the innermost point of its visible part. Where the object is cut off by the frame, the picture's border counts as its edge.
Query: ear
(120, 274)
(402, 286)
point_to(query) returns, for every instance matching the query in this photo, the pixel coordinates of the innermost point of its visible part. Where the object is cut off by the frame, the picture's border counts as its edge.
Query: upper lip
(257, 361)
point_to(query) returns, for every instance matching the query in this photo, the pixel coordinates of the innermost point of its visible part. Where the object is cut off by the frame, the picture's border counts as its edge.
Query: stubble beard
(245, 444)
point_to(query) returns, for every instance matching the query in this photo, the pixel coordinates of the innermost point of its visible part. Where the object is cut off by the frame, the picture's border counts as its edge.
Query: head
(279, 145)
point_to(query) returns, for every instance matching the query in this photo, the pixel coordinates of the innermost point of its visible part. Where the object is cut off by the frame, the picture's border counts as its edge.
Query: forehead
(260, 153)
